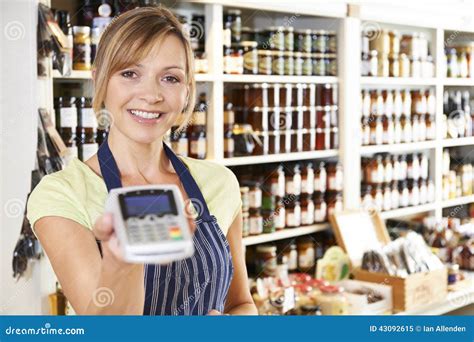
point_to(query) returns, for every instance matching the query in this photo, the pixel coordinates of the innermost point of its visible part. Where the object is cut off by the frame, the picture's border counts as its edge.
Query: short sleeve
(53, 196)
(235, 198)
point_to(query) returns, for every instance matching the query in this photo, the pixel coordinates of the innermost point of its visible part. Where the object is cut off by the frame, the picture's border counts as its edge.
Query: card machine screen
(160, 204)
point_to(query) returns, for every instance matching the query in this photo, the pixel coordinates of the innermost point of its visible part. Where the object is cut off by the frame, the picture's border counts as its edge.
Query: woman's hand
(216, 313)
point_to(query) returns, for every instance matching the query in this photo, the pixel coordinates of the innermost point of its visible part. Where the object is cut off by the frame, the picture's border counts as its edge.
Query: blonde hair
(128, 39)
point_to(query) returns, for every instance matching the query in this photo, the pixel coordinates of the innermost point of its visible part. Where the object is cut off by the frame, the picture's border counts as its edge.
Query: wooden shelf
(276, 158)
(458, 142)
(286, 233)
(406, 147)
(457, 201)
(279, 79)
(408, 211)
(368, 80)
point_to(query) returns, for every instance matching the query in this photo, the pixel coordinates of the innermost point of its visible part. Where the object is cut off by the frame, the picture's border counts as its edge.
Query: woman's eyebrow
(165, 68)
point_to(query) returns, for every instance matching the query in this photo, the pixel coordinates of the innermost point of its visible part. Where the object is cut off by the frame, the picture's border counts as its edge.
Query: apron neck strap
(111, 176)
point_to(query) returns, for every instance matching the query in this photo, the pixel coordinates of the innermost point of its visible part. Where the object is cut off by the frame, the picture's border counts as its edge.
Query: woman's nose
(152, 92)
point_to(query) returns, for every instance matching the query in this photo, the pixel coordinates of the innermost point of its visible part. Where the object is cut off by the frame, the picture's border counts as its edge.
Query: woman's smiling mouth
(148, 117)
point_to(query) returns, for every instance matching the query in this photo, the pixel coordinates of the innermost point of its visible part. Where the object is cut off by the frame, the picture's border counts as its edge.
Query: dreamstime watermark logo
(453, 35)
(192, 298)
(285, 201)
(193, 208)
(196, 30)
(371, 30)
(103, 296)
(104, 118)
(14, 208)
(14, 30)
(460, 299)
(287, 21)
(455, 211)
(280, 121)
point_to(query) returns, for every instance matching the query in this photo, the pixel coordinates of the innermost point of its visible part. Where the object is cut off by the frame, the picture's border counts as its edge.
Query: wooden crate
(358, 231)
(412, 292)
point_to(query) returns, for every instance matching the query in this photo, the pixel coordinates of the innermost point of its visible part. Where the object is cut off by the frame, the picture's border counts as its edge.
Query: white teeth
(145, 115)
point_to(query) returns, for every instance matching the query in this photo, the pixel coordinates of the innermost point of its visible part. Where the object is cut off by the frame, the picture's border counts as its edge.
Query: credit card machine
(150, 223)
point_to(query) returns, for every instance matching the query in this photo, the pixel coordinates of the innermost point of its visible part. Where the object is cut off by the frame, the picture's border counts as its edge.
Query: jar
(394, 66)
(365, 64)
(289, 38)
(334, 202)
(278, 63)
(289, 60)
(388, 130)
(332, 301)
(404, 65)
(234, 17)
(244, 195)
(414, 192)
(383, 65)
(291, 255)
(233, 60)
(394, 37)
(452, 67)
(320, 208)
(406, 129)
(264, 62)
(423, 192)
(395, 197)
(245, 224)
(293, 181)
(319, 65)
(415, 128)
(268, 217)
(320, 178)
(332, 41)
(303, 40)
(387, 198)
(464, 256)
(306, 255)
(255, 195)
(277, 38)
(332, 62)
(320, 41)
(335, 177)
(430, 191)
(293, 212)
(250, 54)
(307, 210)
(377, 194)
(453, 274)
(277, 181)
(365, 130)
(423, 161)
(299, 63)
(280, 215)
(266, 260)
(82, 48)
(415, 68)
(388, 169)
(256, 221)
(307, 64)
(376, 131)
(374, 63)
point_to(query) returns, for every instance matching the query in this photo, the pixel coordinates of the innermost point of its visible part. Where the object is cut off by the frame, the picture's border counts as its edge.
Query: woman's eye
(171, 79)
(129, 74)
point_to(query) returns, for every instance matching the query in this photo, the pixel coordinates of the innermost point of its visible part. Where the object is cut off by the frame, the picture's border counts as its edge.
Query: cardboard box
(359, 231)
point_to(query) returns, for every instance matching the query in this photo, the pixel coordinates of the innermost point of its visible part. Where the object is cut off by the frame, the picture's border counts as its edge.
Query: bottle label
(88, 118)
(180, 147)
(256, 225)
(68, 117)
(198, 147)
(320, 213)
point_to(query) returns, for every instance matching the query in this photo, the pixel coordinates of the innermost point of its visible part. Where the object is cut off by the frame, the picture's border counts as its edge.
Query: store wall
(18, 121)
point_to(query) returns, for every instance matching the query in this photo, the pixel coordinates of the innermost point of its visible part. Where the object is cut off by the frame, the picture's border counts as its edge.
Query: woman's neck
(133, 158)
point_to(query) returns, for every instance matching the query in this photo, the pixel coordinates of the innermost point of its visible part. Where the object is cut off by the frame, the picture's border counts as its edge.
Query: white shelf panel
(279, 79)
(458, 142)
(457, 201)
(276, 158)
(368, 80)
(75, 75)
(286, 233)
(408, 211)
(407, 147)
(87, 75)
(468, 82)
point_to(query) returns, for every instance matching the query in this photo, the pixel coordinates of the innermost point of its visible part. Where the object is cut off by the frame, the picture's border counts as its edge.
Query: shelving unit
(287, 233)
(347, 20)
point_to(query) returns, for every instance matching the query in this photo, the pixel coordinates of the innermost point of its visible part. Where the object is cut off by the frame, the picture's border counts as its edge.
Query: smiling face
(146, 98)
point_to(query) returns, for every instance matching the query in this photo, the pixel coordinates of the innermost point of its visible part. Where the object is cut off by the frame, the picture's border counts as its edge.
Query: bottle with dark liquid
(66, 124)
(86, 129)
(197, 136)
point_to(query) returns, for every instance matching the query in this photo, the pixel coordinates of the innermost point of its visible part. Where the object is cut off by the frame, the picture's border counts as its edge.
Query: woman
(143, 76)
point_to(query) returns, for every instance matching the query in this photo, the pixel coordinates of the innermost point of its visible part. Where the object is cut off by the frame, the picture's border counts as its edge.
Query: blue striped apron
(198, 284)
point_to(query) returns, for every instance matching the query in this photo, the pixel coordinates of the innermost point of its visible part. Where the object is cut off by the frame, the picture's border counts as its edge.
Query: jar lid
(331, 289)
(266, 248)
(234, 11)
(264, 52)
(249, 43)
(81, 29)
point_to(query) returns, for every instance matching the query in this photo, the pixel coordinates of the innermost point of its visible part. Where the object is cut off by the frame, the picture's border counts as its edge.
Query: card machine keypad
(147, 229)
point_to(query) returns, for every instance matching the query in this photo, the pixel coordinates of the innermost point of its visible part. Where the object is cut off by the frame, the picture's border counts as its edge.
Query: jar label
(68, 117)
(255, 198)
(320, 213)
(251, 61)
(180, 147)
(306, 258)
(256, 225)
(88, 118)
(198, 147)
(265, 65)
